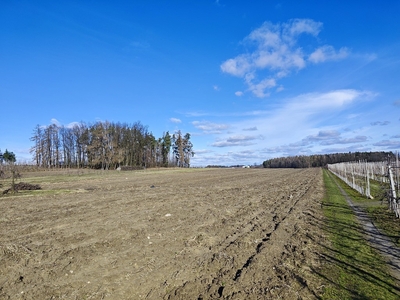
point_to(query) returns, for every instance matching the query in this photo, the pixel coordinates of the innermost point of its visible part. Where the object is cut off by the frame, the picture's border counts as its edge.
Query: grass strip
(377, 209)
(354, 269)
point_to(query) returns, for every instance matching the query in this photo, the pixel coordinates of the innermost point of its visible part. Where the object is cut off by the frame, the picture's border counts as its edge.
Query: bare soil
(163, 234)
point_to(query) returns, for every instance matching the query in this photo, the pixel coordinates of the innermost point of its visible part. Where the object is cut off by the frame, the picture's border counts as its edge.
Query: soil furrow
(173, 234)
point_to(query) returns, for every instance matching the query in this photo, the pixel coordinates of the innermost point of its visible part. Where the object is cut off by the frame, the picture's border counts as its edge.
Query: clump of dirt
(23, 186)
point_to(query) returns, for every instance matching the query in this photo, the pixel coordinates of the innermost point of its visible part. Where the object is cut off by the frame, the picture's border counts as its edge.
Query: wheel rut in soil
(235, 264)
(169, 234)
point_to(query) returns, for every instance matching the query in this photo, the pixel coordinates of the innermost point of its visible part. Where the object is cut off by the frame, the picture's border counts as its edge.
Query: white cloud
(353, 148)
(259, 88)
(73, 124)
(175, 120)
(239, 93)
(59, 124)
(299, 26)
(388, 144)
(322, 138)
(228, 158)
(236, 66)
(352, 140)
(210, 127)
(301, 125)
(333, 99)
(326, 53)
(202, 151)
(216, 88)
(237, 140)
(323, 135)
(276, 50)
(55, 122)
(304, 119)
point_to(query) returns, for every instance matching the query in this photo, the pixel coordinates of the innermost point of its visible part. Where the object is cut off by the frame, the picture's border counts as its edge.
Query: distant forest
(324, 159)
(106, 145)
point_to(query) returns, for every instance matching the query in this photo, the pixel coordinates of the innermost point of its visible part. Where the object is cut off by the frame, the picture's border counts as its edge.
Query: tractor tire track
(234, 264)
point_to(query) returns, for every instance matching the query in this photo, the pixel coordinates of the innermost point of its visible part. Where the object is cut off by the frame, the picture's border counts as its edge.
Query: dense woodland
(322, 160)
(106, 145)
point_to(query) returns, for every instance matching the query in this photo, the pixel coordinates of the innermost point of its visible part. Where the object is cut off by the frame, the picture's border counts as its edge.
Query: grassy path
(356, 269)
(376, 239)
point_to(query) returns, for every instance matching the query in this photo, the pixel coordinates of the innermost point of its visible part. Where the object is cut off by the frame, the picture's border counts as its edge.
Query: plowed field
(163, 234)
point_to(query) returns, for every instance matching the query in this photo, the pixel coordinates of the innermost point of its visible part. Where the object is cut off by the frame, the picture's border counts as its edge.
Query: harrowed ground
(164, 234)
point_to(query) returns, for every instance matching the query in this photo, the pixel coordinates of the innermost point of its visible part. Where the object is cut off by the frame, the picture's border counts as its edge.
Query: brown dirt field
(163, 234)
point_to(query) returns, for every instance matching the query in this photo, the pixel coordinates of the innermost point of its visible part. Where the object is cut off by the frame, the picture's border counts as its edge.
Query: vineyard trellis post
(393, 196)
(358, 175)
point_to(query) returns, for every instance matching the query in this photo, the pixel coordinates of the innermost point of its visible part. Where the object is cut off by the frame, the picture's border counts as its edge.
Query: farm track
(375, 238)
(204, 234)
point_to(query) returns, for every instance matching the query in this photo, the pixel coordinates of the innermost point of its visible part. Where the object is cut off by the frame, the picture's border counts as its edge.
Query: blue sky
(249, 80)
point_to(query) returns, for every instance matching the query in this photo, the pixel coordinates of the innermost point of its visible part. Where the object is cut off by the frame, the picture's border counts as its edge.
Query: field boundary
(354, 268)
(374, 236)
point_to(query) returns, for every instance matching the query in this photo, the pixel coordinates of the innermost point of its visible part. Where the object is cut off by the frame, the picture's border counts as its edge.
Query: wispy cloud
(326, 53)
(352, 148)
(331, 137)
(388, 144)
(296, 119)
(277, 51)
(301, 125)
(353, 140)
(175, 120)
(140, 45)
(209, 127)
(228, 158)
(72, 124)
(379, 123)
(322, 138)
(237, 140)
(55, 122)
(250, 129)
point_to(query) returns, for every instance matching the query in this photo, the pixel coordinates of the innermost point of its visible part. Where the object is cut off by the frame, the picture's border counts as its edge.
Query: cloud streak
(292, 128)
(209, 127)
(379, 123)
(326, 53)
(237, 140)
(175, 120)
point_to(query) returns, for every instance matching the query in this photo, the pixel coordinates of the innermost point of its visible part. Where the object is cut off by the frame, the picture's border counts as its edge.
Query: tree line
(321, 160)
(107, 145)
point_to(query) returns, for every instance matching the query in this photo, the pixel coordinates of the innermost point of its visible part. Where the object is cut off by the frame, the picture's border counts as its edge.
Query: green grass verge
(386, 221)
(382, 217)
(354, 269)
